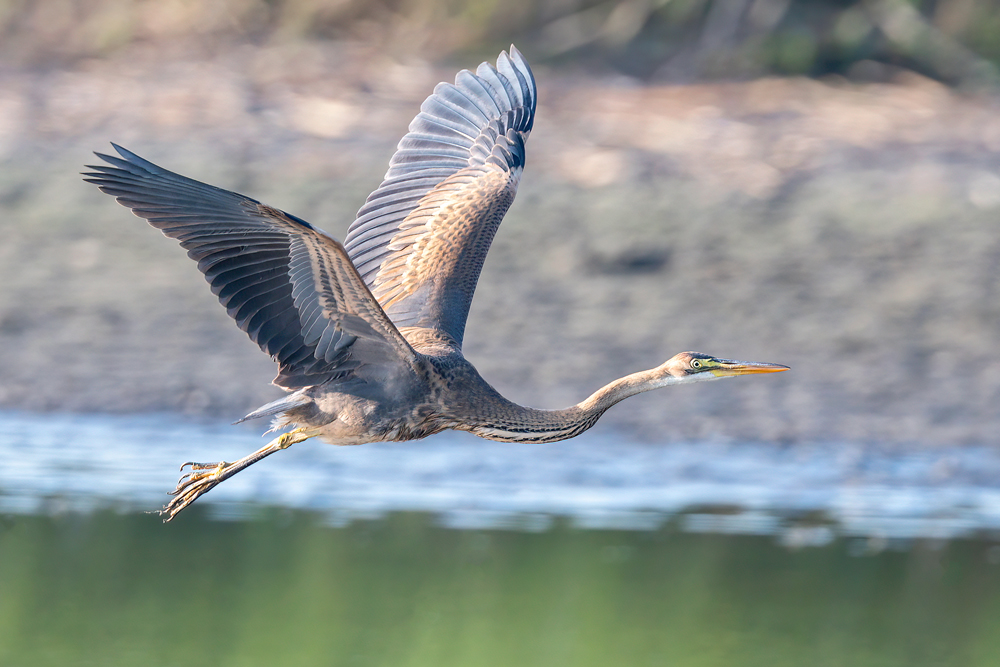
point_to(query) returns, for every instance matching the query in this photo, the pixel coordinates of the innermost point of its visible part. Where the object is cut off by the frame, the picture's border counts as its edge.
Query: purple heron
(368, 334)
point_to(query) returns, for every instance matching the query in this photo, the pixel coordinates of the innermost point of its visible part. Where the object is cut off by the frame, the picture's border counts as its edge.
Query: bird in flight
(368, 334)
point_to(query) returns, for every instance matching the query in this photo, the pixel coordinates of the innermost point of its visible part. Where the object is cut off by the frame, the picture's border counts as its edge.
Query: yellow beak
(731, 367)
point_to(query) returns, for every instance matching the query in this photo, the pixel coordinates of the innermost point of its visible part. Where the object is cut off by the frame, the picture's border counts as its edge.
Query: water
(456, 551)
(804, 494)
(106, 589)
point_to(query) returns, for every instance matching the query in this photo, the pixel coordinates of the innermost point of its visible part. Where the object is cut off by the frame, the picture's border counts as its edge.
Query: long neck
(510, 422)
(622, 388)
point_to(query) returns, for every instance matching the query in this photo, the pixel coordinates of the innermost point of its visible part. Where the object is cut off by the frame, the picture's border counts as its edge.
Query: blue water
(593, 551)
(803, 494)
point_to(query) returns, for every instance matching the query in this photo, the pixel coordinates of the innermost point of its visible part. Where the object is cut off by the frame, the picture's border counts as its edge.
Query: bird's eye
(695, 364)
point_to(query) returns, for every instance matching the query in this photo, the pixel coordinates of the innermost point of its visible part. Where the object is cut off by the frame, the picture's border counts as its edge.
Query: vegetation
(956, 41)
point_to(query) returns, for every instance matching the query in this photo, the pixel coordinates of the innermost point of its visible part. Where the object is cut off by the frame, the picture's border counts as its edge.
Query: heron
(367, 334)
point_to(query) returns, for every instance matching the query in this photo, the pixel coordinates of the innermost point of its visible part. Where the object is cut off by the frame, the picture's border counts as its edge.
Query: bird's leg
(205, 476)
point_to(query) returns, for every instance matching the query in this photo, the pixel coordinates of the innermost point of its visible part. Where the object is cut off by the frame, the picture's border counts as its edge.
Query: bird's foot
(202, 479)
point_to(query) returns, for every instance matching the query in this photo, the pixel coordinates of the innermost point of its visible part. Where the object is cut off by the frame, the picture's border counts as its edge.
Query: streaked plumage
(368, 335)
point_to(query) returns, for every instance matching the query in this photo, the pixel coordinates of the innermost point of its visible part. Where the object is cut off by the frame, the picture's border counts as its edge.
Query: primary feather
(420, 240)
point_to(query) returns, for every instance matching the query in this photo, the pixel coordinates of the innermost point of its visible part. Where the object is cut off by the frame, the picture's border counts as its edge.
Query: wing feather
(420, 240)
(288, 285)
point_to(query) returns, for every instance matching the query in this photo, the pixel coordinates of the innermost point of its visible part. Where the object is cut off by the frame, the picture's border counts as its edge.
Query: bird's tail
(283, 404)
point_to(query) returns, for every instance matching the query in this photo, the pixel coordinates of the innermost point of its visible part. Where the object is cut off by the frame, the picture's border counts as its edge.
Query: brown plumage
(368, 335)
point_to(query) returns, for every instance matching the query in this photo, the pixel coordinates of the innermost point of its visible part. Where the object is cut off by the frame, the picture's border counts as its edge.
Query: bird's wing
(288, 285)
(421, 238)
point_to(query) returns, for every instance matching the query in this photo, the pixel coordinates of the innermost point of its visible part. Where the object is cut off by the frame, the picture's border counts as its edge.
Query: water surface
(106, 589)
(54, 462)
(458, 551)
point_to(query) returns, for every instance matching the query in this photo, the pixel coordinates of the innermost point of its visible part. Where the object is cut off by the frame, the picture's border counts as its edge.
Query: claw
(203, 477)
(191, 485)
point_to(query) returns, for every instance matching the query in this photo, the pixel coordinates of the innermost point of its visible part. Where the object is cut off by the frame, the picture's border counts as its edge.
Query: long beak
(731, 367)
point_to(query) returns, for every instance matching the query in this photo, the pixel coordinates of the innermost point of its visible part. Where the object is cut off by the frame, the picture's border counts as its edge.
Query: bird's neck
(511, 422)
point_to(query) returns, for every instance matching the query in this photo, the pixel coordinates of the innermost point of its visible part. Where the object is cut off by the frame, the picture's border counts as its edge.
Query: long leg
(205, 476)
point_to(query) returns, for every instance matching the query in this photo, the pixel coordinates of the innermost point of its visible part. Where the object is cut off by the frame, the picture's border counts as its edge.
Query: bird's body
(368, 335)
(445, 391)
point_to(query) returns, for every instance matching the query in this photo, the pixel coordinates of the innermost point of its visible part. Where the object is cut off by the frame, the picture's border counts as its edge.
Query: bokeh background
(811, 183)
(814, 183)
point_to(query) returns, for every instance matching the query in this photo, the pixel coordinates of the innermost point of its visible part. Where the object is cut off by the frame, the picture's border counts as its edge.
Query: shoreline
(846, 231)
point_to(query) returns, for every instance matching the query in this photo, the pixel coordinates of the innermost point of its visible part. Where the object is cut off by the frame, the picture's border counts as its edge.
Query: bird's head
(695, 366)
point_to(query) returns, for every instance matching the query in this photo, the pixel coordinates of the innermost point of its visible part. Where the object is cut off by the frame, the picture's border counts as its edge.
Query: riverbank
(849, 231)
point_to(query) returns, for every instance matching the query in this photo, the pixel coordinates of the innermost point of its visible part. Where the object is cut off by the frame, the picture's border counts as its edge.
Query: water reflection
(109, 589)
(808, 495)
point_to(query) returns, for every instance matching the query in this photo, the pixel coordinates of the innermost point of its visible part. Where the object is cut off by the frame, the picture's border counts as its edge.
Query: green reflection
(126, 590)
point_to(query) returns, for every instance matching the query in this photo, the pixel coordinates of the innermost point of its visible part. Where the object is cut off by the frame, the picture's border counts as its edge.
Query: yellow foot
(202, 478)
(205, 476)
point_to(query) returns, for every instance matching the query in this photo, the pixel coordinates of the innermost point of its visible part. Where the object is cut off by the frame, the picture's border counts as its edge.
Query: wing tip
(415, 170)
(122, 152)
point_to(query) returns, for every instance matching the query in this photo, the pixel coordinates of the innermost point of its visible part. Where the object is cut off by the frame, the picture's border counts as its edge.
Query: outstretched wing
(420, 240)
(288, 285)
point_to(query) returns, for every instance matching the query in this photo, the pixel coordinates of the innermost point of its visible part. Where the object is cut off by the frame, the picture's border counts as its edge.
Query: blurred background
(813, 183)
